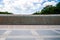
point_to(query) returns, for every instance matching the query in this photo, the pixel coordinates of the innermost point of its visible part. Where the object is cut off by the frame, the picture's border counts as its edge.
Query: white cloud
(24, 6)
(49, 3)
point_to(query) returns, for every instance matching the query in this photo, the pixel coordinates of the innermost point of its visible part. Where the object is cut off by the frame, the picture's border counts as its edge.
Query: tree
(36, 13)
(49, 10)
(57, 10)
(5, 13)
(58, 5)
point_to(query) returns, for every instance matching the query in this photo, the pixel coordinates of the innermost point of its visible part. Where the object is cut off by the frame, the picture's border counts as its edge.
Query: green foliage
(57, 8)
(49, 10)
(58, 5)
(36, 13)
(5, 13)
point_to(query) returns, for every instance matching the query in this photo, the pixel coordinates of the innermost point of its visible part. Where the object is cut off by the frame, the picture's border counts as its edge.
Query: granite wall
(30, 20)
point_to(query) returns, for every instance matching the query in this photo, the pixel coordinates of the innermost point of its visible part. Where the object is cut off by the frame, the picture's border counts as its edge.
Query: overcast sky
(25, 6)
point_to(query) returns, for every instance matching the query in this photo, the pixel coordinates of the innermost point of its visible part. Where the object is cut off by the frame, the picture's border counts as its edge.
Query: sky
(25, 6)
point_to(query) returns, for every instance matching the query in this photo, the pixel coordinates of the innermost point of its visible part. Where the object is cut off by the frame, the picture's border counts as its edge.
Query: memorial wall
(29, 20)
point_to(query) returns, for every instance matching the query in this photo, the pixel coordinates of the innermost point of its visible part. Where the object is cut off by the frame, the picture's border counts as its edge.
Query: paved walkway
(29, 32)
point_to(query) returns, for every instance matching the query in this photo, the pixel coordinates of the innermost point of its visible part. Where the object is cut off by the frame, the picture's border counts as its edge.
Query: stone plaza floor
(29, 32)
